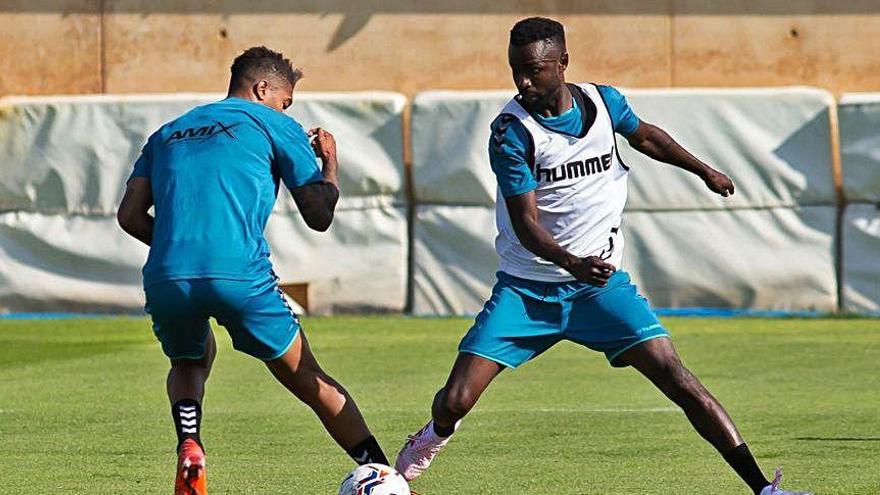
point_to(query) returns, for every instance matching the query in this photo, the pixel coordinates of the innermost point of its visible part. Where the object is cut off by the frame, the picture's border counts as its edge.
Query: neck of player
(558, 103)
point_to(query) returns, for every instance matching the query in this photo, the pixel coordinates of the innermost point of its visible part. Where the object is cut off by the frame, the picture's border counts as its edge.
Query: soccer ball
(374, 479)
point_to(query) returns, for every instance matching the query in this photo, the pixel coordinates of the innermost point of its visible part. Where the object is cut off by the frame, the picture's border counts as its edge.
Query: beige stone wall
(122, 46)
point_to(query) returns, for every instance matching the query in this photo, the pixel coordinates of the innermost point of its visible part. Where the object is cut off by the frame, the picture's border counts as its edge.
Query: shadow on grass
(16, 353)
(839, 439)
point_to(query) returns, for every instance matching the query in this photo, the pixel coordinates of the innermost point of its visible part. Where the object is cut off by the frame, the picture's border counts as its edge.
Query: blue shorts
(524, 318)
(255, 314)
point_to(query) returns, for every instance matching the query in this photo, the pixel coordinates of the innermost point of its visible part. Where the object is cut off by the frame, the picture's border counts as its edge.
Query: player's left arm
(133, 214)
(659, 145)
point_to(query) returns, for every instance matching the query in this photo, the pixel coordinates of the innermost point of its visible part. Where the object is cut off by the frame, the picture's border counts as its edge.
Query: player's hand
(323, 143)
(592, 270)
(718, 182)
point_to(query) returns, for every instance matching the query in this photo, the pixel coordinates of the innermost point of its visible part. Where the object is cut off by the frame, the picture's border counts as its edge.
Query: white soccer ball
(374, 479)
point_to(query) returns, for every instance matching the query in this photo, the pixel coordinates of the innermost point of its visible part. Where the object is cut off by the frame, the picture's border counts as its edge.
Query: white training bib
(580, 196)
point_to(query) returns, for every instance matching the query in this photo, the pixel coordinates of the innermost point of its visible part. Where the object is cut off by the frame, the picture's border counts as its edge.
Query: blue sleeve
(294, 158)
(507, 155)
(144, 164)
(623, 118)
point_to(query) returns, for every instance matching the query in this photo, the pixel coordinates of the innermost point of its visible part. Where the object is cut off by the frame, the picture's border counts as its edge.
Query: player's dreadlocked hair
(259, 61)
(536, 29)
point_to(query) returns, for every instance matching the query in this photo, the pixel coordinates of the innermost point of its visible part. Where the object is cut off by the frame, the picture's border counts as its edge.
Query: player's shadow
(838, 439)
(813, 162)
(816, 200)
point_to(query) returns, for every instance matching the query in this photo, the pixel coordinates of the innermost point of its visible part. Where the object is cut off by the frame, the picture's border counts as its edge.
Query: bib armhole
(613, 132)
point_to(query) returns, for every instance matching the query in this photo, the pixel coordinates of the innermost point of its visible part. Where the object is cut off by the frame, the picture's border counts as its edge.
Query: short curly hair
(259, 62)
(535, 29)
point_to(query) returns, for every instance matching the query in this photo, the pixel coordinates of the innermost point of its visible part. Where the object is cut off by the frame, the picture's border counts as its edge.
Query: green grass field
(83, 410)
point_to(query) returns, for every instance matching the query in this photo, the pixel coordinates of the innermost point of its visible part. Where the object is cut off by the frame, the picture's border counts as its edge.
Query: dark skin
(539, 74)
(297, 369)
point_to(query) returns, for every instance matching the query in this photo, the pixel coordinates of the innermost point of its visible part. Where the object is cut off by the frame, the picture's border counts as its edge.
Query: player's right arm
(133, 213)
(524, 218)
(507, 155)
(314, 190)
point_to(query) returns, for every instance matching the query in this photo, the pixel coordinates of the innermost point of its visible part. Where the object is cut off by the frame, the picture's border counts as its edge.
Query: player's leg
(615, 319)
(299, 371)
(187, 377)
(618, 321)
(186, 390)
(469, 378)
(657, 360)
(521, 320)
(266, 328)
(189, 344)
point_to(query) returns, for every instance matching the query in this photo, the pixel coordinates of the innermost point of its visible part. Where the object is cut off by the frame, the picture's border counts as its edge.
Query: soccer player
(562, 189)
(213, 176)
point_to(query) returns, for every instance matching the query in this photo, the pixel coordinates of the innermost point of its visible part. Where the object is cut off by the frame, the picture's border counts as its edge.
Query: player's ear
(260, 89)
(563, 61)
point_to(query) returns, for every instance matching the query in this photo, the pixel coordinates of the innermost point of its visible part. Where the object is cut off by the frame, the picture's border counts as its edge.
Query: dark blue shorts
(255, 314)
(524, 318)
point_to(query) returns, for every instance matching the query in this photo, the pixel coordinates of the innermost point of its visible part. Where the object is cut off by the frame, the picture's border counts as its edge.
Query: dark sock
(442, 431)
(743, 462)
(368, 452)
(187, 414)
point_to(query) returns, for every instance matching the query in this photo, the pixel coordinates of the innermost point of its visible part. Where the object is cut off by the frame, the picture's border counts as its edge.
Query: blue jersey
(215, 174)
(509, 159)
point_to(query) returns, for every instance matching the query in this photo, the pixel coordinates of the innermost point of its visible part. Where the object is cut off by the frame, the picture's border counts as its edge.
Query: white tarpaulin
(64, 161)
(52, 263)
(775, 258)
(861, 258)
(86, 263)
(454, 259)
(71, 154)
(859, 115)
(775, 143)
(360, 264)
(450, 142)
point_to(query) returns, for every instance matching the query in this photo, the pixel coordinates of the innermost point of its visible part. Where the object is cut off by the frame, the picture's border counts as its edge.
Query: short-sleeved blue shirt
(215, 173)
(509, 161)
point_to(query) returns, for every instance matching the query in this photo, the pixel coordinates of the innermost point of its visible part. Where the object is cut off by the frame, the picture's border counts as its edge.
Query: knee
(201, 365)
(458, 401)
(198, 365)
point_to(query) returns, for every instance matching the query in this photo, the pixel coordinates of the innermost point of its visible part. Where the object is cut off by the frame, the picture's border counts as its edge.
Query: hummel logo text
(575, 169)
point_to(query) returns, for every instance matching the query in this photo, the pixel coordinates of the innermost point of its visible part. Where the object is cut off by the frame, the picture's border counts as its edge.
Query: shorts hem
(627, 347)
(490, 358)
(286, 346)
(190, 357)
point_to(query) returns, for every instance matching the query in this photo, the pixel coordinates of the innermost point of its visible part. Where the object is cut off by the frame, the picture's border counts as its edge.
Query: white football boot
(419, 450)
(773, 488)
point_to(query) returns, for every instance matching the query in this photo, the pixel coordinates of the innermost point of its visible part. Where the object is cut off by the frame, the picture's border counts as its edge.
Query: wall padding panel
(66, 161)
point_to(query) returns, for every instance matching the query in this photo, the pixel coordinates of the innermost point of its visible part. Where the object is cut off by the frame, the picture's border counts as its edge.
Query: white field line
(567, 410)
(614, 410)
